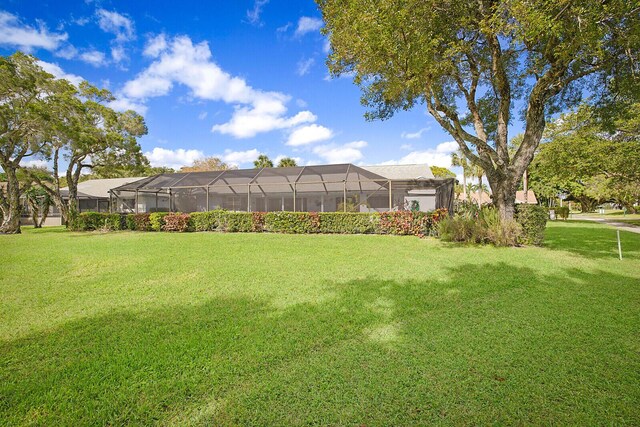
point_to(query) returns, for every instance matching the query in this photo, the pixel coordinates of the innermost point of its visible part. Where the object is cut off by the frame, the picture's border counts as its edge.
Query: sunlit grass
(262, 329)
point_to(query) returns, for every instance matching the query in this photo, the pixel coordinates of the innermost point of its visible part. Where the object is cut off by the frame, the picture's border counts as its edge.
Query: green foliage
(561, 211)
(263, 161)
(440, 172)
(156, 219)
(90, 221)
(533, 220)
(178, 222)
(287, 162)
(349, 222)
(292, 222)
(486, 227)
(236, 222)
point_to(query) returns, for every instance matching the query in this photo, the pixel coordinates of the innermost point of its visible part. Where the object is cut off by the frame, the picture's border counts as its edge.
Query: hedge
(533, 219)
(401, 222)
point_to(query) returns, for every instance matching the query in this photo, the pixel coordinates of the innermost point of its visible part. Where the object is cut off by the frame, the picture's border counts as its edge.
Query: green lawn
(260, 329)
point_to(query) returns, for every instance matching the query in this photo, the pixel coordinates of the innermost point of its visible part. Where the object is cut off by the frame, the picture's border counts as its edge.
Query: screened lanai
(323, 188)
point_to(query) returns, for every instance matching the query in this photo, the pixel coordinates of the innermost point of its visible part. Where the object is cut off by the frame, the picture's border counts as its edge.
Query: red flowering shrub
(179, 222)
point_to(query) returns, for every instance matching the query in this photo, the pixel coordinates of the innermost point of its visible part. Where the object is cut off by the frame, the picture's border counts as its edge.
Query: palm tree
(476, 170)
(263, 161)
(458, 159)
(287, 162)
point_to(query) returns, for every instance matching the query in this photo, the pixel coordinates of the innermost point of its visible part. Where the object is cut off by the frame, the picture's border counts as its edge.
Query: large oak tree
(477, 65)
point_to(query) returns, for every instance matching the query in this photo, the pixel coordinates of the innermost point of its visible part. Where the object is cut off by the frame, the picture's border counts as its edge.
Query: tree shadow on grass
(490, 343)
(592, 241)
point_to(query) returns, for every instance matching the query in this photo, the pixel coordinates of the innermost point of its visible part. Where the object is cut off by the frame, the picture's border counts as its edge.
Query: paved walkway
(620, 225)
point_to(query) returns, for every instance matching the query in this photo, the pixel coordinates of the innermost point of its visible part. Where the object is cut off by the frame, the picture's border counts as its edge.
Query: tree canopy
(440, 172)
(479, 65)
(207, 164)
(263, 161)
(287, 162)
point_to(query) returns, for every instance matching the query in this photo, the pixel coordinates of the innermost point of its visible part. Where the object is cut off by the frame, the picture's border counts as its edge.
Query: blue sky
(225, 78)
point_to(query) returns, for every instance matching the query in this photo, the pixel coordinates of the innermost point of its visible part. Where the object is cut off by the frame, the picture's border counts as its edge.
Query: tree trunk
(11, 215)
(480, 190)
(464, 186)
(504, 196)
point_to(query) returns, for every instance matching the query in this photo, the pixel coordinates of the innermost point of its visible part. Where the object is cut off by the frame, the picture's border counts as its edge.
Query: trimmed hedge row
(400, 223)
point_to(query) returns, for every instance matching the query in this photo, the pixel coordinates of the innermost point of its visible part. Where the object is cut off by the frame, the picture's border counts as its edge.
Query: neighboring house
(486, 197)
(93, 196)
(321, 188)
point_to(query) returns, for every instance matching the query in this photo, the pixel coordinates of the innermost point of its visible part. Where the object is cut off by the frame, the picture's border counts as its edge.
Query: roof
(99, 188)
(402, 172)
(485, 197)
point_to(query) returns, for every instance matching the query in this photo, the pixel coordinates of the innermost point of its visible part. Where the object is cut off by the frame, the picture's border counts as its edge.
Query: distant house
(93, 196)
(486, 197)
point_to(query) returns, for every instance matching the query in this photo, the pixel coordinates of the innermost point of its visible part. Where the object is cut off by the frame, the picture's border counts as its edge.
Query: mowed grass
(260, 329)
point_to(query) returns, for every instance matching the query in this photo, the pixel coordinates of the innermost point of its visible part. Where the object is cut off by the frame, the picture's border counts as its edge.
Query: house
(486, 197)
(93, 196)
(320, 188)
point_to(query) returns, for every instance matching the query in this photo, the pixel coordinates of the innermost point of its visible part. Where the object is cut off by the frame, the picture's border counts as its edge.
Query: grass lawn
(261, 329)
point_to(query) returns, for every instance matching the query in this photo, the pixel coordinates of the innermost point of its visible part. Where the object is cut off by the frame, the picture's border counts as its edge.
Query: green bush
(292, 222)
(89, 221)
(156, 220)
(179, 222)
(561, 211)
(533, 220)
(487, 227)
(348, 222)
(236, 222)
(207, 221)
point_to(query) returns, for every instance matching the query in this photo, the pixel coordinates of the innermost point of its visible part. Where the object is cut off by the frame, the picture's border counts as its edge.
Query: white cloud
(440, 156)
(173, 158)
(155, 46)
(284, 28)
(414, 135)
(347, 153)
(304, 66)
(118, 53)
(115, 23)
(253, 15)
(307, 24)
(406, 147)
(237, 158)
(180, 61)
(264, 115)
(93, 57)
(309, 134)
(59, 72)
(326, 45)
(122, 103)
(15, 33)
(203, 115)
(34, 163)
(67, 52)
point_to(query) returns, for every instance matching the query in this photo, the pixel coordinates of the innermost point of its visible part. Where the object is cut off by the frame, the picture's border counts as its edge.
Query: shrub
(89, 221)
(291, 222)
(138, 222)
(156, 219)
(236, 221)
(207, 221)
(179, 222)
(561, 211)
(257, 221)
(461, 229)
(348, 222)
(533, 220)
(486, 228)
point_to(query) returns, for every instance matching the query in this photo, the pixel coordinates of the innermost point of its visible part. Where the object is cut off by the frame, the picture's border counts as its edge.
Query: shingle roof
(99, 188)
